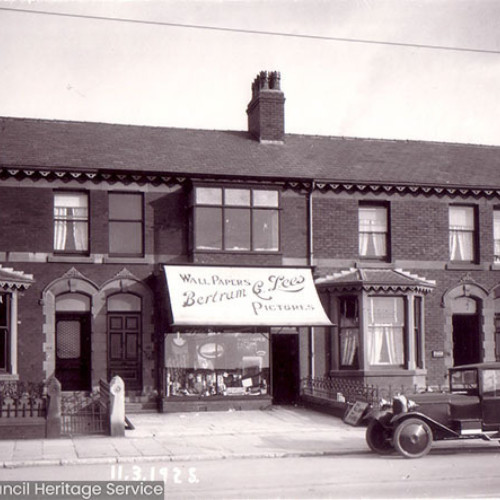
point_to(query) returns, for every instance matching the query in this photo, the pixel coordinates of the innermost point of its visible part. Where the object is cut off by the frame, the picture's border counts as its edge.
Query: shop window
(71, 222)
(373, 231)
(348, 332)
(386, 331)
(462, 230)
(126, 224)
(216, 364)
(496, 234)
(5, 346)
(236, 219)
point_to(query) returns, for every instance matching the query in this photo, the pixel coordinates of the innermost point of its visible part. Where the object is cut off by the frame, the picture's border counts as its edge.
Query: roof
(14, 280)
(376, 280)
(89, 146)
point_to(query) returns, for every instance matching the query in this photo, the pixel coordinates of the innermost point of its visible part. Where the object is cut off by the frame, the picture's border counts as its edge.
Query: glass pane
(462, 218)
(124, 302)
(125, 206)
(265, 230)
(238, 197)
(208, 228)
(373, 219)
(131, 346)
(70, 200)
(217, 364)
(3, 310)
(3, 349)
(265, 198)
(70, 235)
(208, 196)
(115, 346)
(125, 238)
(73, 302)
(68, 339)
(237, 229)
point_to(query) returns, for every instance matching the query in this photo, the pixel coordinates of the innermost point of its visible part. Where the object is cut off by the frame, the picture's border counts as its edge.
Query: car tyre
(378, 438)
(413, 438)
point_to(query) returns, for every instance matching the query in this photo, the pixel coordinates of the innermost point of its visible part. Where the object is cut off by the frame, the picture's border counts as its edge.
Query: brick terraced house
(221, 269)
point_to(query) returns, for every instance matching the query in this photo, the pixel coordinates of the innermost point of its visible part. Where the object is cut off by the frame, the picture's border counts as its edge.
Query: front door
(466, 339)
(125, 349)
(73, 348)
(285, 368)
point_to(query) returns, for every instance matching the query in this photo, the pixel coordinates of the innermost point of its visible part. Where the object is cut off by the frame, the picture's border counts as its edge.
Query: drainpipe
(310, 251)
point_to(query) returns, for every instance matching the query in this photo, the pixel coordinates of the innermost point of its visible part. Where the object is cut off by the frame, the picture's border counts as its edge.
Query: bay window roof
(14, 280)
(375, 280)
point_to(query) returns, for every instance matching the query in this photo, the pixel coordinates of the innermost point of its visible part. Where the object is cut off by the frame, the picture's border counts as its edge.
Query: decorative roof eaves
(15, 280)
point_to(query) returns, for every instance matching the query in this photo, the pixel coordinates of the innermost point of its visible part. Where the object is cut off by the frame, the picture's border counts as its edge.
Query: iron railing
(22, 399)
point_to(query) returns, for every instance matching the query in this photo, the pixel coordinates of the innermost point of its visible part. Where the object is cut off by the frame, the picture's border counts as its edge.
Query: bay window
(496, 234)
(5, 332)
(236, 219)
(348, 332)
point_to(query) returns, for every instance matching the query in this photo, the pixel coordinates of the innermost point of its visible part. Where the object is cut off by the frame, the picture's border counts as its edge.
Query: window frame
(496, 235)
(386, 257)
(225, 207)
(474, 234)
(86, 221)
(5, 330)
(141, 220)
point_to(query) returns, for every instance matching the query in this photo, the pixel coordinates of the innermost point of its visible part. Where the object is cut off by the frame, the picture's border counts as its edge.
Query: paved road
(446, 472)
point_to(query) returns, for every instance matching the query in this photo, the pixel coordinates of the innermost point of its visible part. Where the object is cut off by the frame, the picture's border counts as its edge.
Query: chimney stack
(266, 110)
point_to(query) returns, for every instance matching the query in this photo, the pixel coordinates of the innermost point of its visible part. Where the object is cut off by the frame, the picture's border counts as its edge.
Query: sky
(160, 73)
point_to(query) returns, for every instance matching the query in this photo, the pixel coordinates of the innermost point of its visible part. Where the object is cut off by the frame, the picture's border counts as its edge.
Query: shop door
(73, 350)
(285, 368)
(466, 339)
(124, 349)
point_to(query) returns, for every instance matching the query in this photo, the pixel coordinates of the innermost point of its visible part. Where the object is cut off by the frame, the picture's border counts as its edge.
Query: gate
(83, 414)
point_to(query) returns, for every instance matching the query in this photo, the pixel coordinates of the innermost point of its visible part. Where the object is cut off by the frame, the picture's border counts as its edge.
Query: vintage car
(470, 410)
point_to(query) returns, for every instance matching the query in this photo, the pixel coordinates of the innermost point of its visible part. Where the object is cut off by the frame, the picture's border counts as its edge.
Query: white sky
(92, 70)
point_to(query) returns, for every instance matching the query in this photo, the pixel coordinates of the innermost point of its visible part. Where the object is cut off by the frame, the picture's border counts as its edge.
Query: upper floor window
(236, 219)
(462, 228)
(71, 222)
(496, 234)
(126, 224)
(386, 331)
(5, 340)
(373, 231)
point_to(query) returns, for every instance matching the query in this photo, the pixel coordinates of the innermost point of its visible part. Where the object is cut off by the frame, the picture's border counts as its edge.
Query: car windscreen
(491, 382)
(464, 381)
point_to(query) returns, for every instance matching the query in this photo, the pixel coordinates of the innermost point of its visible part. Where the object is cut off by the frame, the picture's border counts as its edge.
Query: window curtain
(372, 231)
(348, 346)
(60, 228)
(386, 331)
(461, 233)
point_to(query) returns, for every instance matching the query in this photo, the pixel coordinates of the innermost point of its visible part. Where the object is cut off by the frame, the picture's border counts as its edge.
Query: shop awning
(243, 296)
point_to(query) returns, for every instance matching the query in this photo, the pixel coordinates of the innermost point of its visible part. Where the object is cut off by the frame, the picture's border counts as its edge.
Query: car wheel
(378, 438)
(413, 438)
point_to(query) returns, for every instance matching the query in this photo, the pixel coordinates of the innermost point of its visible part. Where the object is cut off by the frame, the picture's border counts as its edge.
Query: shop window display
(217, 364)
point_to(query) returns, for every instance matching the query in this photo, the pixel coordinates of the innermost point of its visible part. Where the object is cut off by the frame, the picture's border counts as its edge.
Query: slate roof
(89, 146)
(10, 279)
(376, 279)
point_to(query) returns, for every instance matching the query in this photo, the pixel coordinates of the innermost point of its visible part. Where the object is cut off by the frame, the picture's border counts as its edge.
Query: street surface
(447, 472)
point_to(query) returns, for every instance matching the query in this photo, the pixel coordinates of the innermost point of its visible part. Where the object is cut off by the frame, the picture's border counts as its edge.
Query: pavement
(280, 431)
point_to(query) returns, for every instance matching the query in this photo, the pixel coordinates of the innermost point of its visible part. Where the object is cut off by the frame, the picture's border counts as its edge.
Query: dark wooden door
(73, 351)
(285, 368)
(124, 358)
(466, 339)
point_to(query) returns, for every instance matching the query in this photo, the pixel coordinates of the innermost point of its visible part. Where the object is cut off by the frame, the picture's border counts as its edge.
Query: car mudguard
(440, 431)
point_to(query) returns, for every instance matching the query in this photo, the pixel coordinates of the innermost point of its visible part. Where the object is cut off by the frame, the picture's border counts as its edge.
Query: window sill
(466, 266)
(86, 259)
(378, 372)
(127, 260)
(6, 377)
(495, 266)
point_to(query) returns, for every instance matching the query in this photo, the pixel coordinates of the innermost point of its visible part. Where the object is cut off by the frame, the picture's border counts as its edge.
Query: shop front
(221, 350)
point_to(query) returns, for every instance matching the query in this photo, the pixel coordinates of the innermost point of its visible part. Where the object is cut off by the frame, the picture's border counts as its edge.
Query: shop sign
(243, 296)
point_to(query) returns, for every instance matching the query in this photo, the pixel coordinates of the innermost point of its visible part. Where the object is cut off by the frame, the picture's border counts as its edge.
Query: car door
(490, 389)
